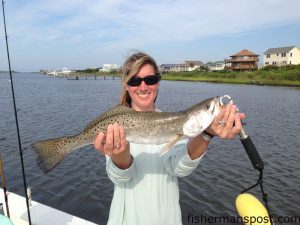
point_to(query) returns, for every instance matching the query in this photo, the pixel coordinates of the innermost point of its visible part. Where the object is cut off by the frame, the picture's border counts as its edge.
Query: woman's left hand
(227, 123)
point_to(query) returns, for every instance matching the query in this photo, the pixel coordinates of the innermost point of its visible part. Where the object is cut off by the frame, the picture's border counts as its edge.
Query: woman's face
(143, 96)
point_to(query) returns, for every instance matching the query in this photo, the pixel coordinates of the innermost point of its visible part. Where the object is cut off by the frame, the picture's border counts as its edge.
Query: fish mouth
(224, 100)
(218, 103)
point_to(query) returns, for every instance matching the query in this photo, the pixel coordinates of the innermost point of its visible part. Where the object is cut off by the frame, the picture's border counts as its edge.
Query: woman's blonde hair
(131, 67)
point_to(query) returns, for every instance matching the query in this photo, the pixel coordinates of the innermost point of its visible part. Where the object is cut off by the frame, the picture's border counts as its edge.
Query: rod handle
(252, 153)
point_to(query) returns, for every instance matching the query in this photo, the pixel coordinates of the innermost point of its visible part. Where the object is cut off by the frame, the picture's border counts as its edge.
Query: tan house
(243, 60)
(282, 56)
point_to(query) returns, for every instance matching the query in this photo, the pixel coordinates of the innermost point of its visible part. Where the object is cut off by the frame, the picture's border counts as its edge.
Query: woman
(145, 183)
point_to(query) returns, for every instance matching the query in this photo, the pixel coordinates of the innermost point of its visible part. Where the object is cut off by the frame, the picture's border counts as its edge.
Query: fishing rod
(16, 116)
(254, 157)
(257, 164)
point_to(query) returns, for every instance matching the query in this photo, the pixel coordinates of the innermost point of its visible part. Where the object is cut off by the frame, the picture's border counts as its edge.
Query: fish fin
(51, 152)
(170, 144)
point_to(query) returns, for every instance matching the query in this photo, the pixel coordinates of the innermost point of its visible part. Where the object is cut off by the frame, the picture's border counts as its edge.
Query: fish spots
(140, 127)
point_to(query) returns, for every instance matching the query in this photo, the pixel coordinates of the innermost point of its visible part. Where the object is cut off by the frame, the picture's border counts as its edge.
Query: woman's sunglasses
(149, 80)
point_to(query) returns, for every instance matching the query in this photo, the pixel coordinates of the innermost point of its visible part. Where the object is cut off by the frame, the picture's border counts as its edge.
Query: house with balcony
(244, 60)
(282, 56)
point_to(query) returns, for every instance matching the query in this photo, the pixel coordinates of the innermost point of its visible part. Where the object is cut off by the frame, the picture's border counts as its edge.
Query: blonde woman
(145, 183)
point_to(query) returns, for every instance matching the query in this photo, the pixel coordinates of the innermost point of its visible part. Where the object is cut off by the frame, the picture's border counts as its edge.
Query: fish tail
(51, 152)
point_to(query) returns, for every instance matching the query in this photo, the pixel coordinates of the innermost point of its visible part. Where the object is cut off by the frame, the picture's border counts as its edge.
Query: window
(273, 63)
(283, 54)
(291, 54)
(290, 62)
(277, 54)
(268, 55)
(267, 63)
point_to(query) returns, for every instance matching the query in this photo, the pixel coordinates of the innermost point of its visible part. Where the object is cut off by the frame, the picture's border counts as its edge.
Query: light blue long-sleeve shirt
(147, 192)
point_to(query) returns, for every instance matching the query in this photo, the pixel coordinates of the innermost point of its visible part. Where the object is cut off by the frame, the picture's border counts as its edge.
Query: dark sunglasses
(149, 80)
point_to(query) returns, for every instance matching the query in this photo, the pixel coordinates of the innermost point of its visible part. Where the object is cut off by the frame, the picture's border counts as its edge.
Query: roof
(171, 65)
(196, 63)
(244, 52)
(168, 65)
(279, 50)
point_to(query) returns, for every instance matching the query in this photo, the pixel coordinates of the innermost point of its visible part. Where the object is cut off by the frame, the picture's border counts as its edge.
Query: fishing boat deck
(40, 214)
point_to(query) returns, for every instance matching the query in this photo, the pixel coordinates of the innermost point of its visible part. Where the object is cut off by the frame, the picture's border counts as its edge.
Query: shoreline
(282, 76)
(285, 83)
(227, 78)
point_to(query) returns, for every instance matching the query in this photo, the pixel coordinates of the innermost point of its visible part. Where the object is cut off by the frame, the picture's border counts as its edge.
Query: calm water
(50, 107)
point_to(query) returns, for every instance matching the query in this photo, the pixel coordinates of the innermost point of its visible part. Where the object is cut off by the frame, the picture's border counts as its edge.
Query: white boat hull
(40, 214)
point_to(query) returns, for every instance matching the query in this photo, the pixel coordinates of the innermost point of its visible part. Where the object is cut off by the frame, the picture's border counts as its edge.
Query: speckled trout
(140, 127)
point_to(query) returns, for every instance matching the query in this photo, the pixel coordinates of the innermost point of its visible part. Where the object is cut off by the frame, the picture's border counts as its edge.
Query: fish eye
(208, 106)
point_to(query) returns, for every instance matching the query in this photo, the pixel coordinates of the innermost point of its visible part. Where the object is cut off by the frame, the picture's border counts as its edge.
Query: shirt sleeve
(117, 175)
(178, 162)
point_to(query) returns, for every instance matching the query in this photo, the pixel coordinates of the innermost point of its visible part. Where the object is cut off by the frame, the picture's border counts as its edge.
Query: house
(66, 71)
(60, 73)
(244, 60)
(216, 66)
(166, 68)
(282, 56)
(186, 66)
(108, 68)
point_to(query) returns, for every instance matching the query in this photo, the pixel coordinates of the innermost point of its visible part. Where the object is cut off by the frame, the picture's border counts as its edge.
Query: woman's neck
(143, 109)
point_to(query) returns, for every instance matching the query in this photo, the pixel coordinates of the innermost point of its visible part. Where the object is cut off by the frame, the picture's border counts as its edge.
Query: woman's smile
(143, 96)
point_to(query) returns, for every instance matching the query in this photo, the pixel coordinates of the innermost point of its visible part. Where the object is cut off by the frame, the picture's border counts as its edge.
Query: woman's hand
(227, 123)
(114, 144)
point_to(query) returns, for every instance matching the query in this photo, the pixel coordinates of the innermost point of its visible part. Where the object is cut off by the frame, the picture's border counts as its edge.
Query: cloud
(113, 25)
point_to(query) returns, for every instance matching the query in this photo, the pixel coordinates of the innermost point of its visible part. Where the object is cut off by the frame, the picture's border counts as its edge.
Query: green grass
(271, 75)
(286, 76)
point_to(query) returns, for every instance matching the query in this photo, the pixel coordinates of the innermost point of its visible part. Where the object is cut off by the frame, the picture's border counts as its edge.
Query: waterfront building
(65, 71)
(186, 66)
(215, 66)
(60, 73)
(282, 56)
(166, 68)
(108, 68)
(244, 60)
(193, 65)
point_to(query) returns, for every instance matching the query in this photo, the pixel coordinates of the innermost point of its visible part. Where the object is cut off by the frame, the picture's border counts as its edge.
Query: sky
(80, 34)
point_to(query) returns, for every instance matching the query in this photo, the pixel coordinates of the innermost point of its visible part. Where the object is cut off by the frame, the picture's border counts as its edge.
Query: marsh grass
(284, 76)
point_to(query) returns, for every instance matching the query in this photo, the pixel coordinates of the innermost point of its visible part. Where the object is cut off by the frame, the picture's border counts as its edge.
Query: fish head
(201, 116)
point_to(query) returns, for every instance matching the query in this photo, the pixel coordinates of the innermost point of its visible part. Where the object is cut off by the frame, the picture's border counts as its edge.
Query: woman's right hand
(114, 144)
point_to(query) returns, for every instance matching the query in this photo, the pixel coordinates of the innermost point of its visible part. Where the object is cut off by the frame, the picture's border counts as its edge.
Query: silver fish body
(140, 127)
